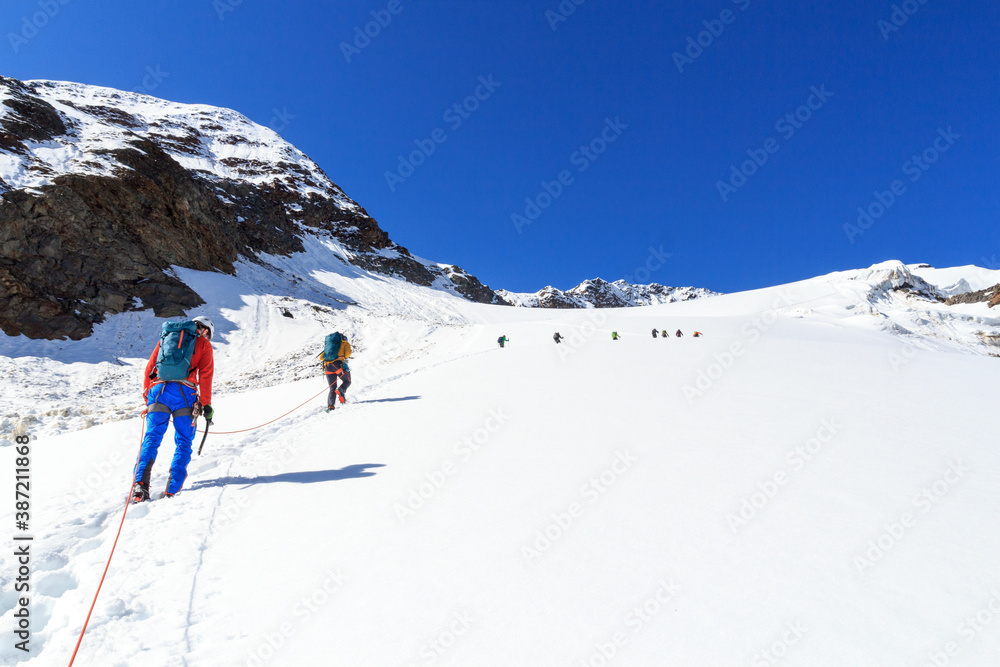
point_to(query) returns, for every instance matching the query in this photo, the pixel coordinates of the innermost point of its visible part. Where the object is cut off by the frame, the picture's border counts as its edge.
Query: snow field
(825, 496)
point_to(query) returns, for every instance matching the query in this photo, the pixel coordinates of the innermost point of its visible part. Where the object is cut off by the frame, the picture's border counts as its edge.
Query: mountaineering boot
(329, 408)
(167, 494)
(139, 493)
(341, 397)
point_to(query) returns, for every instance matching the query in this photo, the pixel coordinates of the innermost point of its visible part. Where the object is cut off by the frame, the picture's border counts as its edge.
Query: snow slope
(813, 482)
(218, 143)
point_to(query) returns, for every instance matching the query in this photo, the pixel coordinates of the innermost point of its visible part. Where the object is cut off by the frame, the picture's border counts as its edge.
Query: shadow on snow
(390, 400)
(304, 477)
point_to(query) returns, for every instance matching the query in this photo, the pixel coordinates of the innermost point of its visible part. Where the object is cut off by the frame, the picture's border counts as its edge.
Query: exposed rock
(151, 185)
(990, 295)
(597, 293)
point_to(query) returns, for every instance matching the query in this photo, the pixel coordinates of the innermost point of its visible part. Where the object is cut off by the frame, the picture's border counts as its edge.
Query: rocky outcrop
(990, 295)
(597, 293)
(142, 185)
(86, 246)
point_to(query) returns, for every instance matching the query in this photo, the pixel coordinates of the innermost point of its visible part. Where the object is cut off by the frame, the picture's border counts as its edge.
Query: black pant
(331, 379)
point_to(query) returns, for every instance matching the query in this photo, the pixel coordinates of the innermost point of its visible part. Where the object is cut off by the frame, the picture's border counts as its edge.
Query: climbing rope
(254, 428)
(128, 501)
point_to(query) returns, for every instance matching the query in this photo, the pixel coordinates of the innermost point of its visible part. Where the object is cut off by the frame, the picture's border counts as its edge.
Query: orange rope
(128, 502)
(108, 565)
(254, 428)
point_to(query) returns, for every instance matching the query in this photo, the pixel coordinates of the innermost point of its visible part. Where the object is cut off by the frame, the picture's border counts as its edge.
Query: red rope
(128, 502)
(108, 565)
(254, 428)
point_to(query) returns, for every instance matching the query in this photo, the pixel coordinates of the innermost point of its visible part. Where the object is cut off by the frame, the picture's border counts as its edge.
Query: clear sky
(622, 121)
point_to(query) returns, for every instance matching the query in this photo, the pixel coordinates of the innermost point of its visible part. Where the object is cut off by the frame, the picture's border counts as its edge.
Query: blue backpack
(176, 348)
(331, 347)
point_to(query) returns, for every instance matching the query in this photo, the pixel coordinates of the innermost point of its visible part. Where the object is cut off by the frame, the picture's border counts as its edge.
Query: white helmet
(207, 323)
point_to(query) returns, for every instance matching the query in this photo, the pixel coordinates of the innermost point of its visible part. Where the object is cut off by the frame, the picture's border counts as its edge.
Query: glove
(208, 412)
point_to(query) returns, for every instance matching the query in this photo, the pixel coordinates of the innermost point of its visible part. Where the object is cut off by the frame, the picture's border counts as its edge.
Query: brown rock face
(84, 246)
(991, 295)
(89, 245)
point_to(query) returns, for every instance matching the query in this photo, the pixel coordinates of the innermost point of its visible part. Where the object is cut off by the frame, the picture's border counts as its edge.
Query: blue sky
(626, 148)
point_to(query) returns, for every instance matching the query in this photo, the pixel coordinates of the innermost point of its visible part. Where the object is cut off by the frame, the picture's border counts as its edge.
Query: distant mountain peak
(598, 293)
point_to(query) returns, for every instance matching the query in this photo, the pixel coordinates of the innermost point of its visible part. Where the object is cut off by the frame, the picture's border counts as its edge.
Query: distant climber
(177, 383)
(501, 340)
(679, 333)
(614, 335)
(664, 334)
(336, 350)
(698, 334)
(557, 337)
(655, 333)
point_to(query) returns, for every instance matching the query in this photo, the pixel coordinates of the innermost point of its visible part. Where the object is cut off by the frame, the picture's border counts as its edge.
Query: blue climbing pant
(166, 400)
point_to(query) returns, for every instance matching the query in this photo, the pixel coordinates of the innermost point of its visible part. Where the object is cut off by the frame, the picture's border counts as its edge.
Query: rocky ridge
(597, 293)
(990, 295)
(102, 192)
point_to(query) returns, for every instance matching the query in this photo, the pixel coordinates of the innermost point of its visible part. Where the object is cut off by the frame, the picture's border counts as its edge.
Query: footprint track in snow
(56, 584)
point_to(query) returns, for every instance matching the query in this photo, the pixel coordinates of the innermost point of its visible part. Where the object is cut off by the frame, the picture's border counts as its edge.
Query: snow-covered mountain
(105, 193)
(597, 293)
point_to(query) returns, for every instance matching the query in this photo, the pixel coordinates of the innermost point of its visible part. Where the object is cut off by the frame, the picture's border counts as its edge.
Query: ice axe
(208, 422)
(195, 413)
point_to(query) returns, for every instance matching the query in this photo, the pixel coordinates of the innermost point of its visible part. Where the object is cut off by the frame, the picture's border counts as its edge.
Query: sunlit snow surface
(815, 478)
(215, 142)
